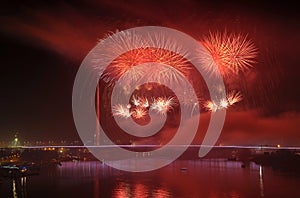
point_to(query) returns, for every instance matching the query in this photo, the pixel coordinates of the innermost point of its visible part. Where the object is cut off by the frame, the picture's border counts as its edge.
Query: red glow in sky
(44, 45)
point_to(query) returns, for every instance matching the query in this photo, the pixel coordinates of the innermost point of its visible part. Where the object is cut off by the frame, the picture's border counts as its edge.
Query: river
(182, 178)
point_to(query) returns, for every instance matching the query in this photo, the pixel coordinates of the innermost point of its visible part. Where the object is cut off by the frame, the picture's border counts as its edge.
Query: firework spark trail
(223, 103)
(138, 52)
(231, 53)
(165, 74)
(120, 70)
(141, 104)
(139, 113)
(170, 58)
(211, 106)
(140, 101)
(193, 108)
(232, 98)
(122, 111)
(163, 105)
(175, 73)
(135, 100)
(144, 102)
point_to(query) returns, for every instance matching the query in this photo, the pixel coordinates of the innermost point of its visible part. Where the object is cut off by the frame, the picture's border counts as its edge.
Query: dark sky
(43, 44)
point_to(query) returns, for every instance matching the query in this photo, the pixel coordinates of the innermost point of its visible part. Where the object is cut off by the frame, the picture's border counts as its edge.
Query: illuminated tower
(16, 141)
(97, 134)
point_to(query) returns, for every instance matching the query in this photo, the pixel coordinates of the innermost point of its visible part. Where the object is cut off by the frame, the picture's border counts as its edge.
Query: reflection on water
(205, 178)
(123, 190)
(18, 187)
(261, 181)
(96, 183)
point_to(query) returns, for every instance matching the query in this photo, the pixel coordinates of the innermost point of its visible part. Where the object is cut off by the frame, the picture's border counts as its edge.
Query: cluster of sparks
(122, 111)
(230, 54)
(223, 103)
(129, 60)
(141, 106)
(163, 105)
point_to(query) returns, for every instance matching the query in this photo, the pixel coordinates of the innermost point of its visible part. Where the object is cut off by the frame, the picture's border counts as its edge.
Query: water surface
(183, 178)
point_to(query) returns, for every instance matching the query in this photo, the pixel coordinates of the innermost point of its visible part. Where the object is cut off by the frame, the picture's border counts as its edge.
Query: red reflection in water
(161, 193)
(140, 191)
(96, 183)
(121, 191)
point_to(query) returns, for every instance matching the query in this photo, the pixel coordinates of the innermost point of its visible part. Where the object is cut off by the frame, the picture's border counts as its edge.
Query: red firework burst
(231, 53)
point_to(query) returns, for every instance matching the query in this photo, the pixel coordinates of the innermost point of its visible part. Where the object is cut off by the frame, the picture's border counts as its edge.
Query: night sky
(43, 44)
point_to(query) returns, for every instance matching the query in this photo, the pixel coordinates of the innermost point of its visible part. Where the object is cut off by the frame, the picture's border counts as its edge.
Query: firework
(165, 74)
(135, 101)
(231, 53)
(116, 71)
(175, 73)
(132, 50)
(139, 113)
(223, 103)
(232, 98)
(122, 111)
(170, 58)
(163, 105)
(140, 102)
(144, 102)
(211, 106)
